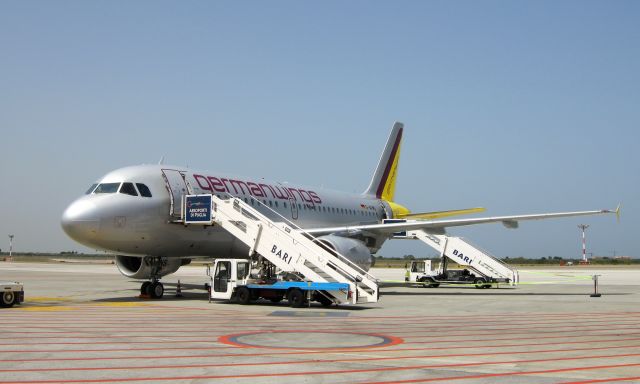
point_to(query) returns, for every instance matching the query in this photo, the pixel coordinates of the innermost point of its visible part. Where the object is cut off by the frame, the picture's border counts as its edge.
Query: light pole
(10, 247)
(584, 260)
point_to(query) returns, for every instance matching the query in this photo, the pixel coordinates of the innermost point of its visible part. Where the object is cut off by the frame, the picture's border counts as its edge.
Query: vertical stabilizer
(383, 183)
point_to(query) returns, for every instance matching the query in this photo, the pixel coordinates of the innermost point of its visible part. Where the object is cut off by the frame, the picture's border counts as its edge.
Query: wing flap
(440, 214)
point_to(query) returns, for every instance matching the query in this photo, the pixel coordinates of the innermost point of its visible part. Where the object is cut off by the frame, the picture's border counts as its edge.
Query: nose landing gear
(153, 288)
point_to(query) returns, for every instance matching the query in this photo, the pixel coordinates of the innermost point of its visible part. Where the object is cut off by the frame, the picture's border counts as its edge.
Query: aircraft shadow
(168, 296)
(497, 293)
(201, 296)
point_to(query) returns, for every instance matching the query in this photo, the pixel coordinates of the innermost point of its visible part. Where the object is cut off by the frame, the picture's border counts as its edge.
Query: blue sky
(520, 107)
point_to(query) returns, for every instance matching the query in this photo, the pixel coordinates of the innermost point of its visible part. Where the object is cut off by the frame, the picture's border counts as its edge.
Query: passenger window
(144, 190)
(91, 188)
(284, 204)
(128, 189)
(107, 188)
(276, 204)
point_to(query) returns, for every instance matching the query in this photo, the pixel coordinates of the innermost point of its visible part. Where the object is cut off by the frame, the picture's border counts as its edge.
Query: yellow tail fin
(383, 182)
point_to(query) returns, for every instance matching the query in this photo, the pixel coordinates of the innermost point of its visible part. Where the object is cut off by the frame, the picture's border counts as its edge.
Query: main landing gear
(153, 288)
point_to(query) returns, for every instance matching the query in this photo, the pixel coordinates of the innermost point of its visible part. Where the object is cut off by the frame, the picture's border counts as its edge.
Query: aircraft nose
(80, 221)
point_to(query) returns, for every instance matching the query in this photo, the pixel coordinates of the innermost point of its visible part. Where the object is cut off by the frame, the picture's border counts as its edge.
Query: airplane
(133, 213)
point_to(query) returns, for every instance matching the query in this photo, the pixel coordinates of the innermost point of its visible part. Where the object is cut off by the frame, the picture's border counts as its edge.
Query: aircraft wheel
(156, 290)
(7, 299)
(479, 283)
(144, 288)
(243, 295)
(296, 298)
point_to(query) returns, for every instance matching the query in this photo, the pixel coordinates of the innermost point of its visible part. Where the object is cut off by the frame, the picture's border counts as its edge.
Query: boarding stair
(463, 253)
(290, 248)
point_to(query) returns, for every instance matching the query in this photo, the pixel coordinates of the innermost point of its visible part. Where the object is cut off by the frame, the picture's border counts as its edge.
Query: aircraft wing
(440, 225)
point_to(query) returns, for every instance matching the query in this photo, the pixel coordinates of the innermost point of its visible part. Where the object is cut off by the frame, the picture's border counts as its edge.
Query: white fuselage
(116, 217)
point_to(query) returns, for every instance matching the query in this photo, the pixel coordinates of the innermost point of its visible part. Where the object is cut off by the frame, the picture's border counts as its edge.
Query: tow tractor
(12, 293)
(243, 282)
(420, 272)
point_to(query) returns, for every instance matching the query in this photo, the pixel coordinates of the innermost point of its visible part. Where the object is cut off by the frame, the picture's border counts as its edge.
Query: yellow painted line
(537, 282)
(45, 298)
(50, 308)
(121, 304)
(47, 308)
(565, 275)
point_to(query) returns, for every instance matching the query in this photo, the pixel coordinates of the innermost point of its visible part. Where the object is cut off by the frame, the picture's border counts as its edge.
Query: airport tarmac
(84, 323)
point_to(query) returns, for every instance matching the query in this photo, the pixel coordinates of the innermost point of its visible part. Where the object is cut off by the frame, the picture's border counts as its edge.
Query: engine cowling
(140, 267)
(352, 249)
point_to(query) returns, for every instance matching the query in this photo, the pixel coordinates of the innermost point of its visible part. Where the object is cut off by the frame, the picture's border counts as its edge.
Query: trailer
(238, 281)
(12, 293)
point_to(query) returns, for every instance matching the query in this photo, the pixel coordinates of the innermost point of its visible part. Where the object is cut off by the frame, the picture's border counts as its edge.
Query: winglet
(618, 211)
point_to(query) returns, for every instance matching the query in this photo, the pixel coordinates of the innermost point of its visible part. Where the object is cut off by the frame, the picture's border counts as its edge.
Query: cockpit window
(144, 190)
(107, 188)
(128, 189)
(91, 188)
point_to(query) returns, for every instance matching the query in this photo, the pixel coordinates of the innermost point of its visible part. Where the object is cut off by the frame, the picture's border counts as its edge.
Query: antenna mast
(583, 228)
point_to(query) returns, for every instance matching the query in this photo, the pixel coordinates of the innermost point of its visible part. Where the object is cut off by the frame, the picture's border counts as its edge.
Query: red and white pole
(583, 227)
(10, 247)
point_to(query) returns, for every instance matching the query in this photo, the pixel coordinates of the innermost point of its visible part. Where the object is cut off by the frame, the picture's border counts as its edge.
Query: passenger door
(294, 208)
(177, 187)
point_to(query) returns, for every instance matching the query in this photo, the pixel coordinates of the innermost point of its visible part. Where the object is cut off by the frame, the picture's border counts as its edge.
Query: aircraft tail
(383, 182)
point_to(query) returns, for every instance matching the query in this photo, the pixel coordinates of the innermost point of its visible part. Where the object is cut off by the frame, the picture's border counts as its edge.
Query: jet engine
(142, 267)
(352, 249)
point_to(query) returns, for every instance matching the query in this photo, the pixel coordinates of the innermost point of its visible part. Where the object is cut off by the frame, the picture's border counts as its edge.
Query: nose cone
(80, 221)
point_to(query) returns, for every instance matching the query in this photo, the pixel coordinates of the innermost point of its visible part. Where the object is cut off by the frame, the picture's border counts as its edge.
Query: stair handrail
(339, 256)
(488, 254)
